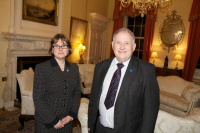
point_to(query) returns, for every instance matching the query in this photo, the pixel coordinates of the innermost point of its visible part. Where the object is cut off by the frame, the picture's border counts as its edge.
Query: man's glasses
(58, 46)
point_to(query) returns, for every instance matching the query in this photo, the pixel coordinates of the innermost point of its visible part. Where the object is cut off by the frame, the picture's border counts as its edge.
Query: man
(125, 92)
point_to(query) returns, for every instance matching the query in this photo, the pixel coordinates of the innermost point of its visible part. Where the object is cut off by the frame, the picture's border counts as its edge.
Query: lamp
(177, 58)
(154, 55)
(144, 5)
(81, 52)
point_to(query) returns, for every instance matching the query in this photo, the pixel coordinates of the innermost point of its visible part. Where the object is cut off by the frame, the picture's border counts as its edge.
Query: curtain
(148, 35)
(118, 17)
(193, 49)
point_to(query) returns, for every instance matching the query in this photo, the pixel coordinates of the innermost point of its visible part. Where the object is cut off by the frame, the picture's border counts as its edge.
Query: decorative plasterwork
(19, 42)
(21, 46)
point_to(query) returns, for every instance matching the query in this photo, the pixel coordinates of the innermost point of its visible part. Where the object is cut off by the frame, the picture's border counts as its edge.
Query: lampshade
(80, 46)
(154, 54)
(177, 57)
(83, 48)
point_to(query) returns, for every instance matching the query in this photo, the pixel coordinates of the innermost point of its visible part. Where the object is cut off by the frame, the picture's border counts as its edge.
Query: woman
(56, 92)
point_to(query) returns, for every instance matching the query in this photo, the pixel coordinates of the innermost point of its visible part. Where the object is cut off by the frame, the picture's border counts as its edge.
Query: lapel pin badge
(131, 70)
(67, 70)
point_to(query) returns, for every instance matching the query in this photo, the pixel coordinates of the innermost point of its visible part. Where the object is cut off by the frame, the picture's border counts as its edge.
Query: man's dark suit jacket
(138, 100)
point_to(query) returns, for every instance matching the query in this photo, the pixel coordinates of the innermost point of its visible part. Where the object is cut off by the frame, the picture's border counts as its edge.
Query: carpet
(9, 123)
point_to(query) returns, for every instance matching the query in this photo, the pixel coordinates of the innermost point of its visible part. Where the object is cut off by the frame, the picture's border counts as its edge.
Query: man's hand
(60, 124)
(67, 119)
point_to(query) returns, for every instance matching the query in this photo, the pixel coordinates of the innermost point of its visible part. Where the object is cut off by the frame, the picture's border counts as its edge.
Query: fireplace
(21, 47)
(25, 63)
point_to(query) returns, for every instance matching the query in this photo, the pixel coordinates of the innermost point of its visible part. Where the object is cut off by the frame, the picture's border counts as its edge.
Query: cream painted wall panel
(4, 15)
(4, 25)
(66, 17)
(111, 6)
(183, 9)
(99, 6)
(79, 9)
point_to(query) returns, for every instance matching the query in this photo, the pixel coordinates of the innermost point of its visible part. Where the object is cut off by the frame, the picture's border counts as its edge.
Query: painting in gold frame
(78, 30)
(42, 11)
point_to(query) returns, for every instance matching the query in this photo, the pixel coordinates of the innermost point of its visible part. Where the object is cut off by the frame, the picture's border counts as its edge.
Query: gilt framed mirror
(172, 32)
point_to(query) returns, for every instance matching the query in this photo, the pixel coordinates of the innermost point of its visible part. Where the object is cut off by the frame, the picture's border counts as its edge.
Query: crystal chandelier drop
(144, 5)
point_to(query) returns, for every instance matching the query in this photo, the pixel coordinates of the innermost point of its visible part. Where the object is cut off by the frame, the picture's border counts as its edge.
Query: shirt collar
(124, 63)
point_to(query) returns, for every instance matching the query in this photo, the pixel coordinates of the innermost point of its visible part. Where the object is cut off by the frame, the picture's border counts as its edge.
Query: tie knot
(120, 65)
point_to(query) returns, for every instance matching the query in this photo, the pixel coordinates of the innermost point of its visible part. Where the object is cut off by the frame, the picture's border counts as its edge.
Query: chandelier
(144, 5)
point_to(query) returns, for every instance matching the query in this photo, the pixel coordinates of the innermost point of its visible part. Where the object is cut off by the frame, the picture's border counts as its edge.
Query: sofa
(178, 96)
(169, 123)
(166, 122)
(86, 74)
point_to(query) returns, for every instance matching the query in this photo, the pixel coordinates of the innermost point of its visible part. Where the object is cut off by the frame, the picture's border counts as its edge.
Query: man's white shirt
(107, 116)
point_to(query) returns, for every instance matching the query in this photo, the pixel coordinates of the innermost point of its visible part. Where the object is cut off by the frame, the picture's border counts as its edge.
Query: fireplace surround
(20, 46)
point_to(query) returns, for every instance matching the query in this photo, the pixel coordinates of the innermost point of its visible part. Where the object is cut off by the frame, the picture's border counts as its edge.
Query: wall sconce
(154, 55)
(81, 48)
(177, 58)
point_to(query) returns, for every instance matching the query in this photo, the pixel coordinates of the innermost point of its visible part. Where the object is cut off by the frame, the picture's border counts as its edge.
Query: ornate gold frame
(53, 20)
(172, 32)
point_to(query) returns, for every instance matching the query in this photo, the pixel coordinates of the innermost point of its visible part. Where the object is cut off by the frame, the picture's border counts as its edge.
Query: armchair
(83, 115)
(25, 80)
(86, 74)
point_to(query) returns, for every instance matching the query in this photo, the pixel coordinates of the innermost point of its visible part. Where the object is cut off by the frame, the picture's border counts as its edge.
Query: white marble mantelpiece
(20, 46)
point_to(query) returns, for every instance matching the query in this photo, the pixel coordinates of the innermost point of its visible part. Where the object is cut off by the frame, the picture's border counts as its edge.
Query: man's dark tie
(112, 91)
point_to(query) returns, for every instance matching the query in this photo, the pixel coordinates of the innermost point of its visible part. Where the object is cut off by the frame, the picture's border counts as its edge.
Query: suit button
(64, 99)
(64, 93)
(63, 105)
(65, 87)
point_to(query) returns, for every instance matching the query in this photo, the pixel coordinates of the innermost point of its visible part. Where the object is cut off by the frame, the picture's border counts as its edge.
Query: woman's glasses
(58, 46)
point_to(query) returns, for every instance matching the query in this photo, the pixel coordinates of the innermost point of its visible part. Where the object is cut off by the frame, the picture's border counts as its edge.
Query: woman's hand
(67, 119)
(60, 124)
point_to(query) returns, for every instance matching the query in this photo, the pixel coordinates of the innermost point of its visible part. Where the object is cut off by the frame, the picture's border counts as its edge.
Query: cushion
(189, 91)
(174, 101)
(172, 84)
(88, 77)
(81, 71)
(25, 79)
